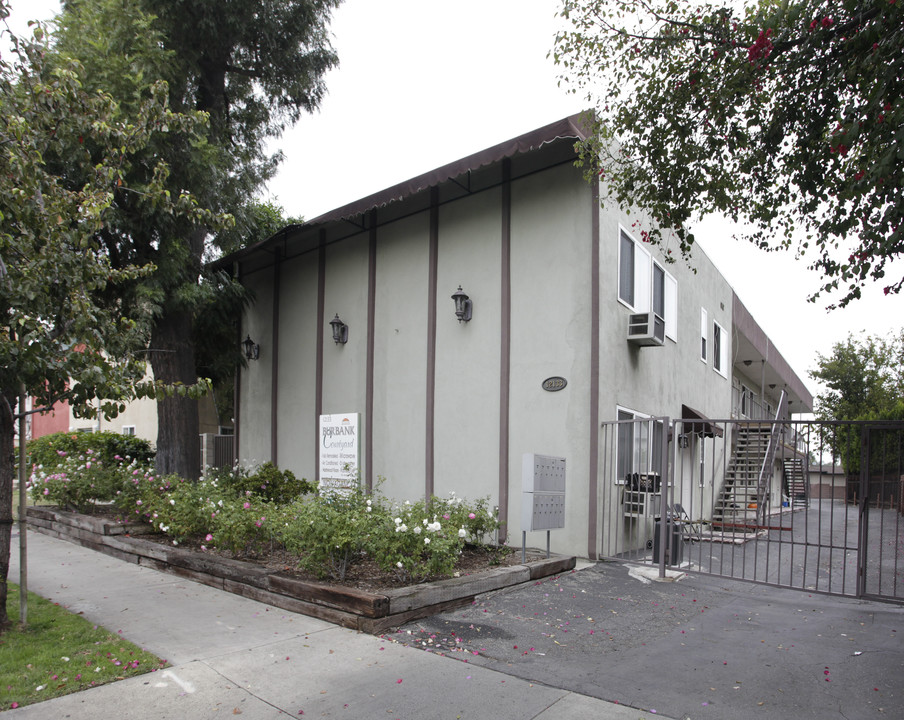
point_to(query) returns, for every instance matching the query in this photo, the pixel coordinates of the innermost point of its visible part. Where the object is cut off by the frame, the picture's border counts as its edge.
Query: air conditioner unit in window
(647, 329)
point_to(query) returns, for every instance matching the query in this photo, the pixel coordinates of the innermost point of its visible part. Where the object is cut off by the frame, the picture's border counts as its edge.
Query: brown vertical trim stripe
(505, 334)
(432, 270)
(318, 343)
(369, 372)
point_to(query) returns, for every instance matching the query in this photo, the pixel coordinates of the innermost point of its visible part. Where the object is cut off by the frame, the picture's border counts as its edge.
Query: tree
(217, 343)
(64, 332)
(864, 380)
(252, 68)
(786, 116)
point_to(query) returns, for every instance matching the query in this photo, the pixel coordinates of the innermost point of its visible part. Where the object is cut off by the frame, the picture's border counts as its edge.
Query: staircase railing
(769, 458)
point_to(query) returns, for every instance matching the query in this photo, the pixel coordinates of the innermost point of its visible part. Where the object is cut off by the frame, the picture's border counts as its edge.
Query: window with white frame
(645, 285)
(704, 332)
(626, 269)
(128, 429)
(720, 350)
(640, 441)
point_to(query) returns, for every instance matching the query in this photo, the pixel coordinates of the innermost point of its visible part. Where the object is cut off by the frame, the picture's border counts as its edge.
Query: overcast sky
(421, 84)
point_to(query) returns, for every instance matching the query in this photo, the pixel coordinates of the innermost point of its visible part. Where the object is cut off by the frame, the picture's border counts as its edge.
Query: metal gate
(815, 506)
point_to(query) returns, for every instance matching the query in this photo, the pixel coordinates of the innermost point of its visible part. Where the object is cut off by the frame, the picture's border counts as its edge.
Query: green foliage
(250, 512)
(107, 446)
(266, 481)
(77, 470)
(243, 525)
(331, 531)
(177, 507)
(69, 153)
(864, 378)
(427, 538)
(785, 116)
(864, 381)
(252, 72)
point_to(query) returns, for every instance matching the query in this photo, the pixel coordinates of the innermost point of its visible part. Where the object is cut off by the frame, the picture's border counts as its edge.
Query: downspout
(593, 480)
(429, 424)
(237, 383)
(274, 364)
(505, 346)
(371, 336)
(318, 343)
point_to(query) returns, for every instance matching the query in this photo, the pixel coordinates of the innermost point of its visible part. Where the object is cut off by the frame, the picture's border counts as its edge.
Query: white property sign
(340, 451)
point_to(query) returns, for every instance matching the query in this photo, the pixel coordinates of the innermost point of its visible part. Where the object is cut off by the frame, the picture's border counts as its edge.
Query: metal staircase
(738, 501)
(744, 497)
(797, 480)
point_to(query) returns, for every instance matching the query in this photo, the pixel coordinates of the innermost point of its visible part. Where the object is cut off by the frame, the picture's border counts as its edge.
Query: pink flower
(471, 516)
(246, 505)
(209, 537)
(761, 48)
(827, 22)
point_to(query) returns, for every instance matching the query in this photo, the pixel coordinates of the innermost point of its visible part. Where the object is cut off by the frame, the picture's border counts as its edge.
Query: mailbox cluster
(543, 492)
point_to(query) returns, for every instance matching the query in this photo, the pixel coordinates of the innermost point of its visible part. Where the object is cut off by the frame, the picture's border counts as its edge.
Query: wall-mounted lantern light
(251, 349)
(340, 330)
(462, 305)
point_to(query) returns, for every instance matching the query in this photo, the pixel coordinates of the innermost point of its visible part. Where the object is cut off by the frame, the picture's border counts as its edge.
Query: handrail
(769, 458)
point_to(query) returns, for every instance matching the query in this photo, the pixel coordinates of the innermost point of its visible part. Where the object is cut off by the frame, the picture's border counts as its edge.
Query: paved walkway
(703, 648)
(234, 656)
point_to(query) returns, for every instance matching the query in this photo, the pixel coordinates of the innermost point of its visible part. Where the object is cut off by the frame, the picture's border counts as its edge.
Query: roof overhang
(576, 127)
(756, 357)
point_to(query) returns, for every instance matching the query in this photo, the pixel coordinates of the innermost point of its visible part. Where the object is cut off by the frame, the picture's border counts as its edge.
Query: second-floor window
(645, 285)
(720, 350)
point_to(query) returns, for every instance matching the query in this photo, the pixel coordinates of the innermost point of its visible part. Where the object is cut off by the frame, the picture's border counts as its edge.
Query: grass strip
(59, 652)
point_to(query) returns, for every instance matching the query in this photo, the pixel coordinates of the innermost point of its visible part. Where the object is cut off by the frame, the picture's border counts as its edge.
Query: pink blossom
(761, 48)
(208, 538)
(247, 505)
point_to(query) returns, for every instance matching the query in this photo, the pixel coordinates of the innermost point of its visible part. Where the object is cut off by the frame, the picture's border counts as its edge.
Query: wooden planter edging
(371, 612)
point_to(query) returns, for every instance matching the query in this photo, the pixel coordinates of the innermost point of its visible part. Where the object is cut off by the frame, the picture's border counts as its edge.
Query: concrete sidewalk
(232, 656)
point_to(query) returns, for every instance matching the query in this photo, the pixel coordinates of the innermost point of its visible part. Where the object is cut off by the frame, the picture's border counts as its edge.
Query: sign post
(340, 452)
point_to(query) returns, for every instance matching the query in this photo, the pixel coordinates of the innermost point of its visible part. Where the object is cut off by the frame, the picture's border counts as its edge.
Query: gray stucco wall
(550, 327)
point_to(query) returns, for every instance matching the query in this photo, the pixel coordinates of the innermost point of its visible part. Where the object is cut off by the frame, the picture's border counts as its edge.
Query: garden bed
(367, 610)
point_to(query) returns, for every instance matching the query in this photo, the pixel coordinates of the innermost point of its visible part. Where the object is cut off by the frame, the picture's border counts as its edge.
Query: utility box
(543, 492)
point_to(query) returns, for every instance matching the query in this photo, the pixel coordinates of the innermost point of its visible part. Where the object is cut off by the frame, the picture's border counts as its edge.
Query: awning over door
(704, 426)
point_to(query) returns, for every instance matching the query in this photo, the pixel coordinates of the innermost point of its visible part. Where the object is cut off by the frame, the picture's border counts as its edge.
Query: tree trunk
(172, 358)
(7, 443)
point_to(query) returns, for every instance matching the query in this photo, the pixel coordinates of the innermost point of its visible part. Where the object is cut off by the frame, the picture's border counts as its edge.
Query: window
(639, 444)
(720, 350)
(659, 290)
(746, 401)
(665, 300)
(704, 331)
(645, 285)
(128, 429)
(671, 307)
(626, 269)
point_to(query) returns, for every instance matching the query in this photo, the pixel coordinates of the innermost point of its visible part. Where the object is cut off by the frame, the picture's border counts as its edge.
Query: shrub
(242, 525)
(267, 482)
(105, 446)
(426, 539)
(330, 532)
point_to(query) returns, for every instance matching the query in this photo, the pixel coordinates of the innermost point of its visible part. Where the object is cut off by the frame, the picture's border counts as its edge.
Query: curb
(371, 612)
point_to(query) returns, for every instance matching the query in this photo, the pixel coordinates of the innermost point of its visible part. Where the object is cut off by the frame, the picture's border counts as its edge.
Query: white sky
(421, 84)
